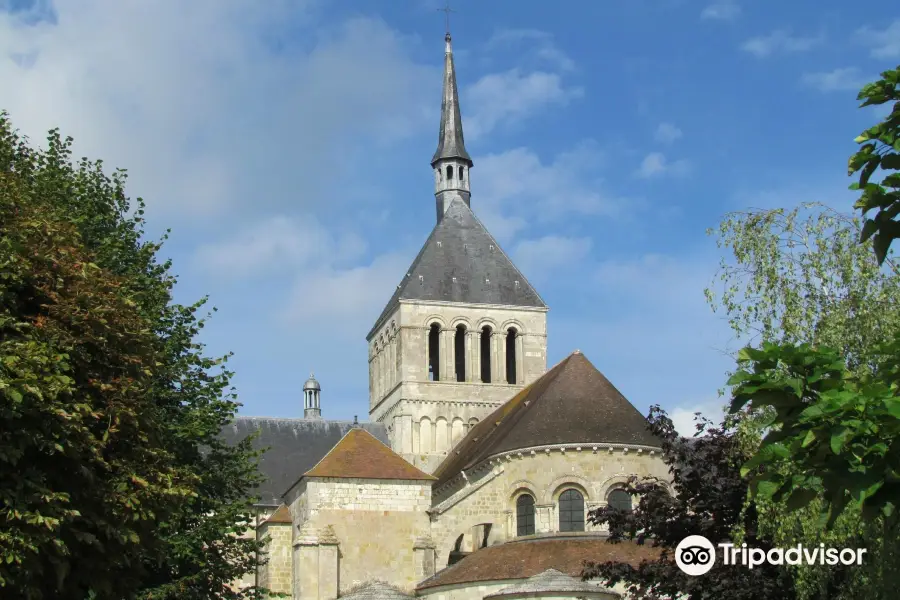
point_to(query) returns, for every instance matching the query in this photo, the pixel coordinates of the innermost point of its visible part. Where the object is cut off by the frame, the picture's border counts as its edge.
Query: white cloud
(345, 301)
(780, 41)
(656, 164)
(884, 43)
(515, 188)
(504, 98)
(683, 416)
(667, 133)
(551, 253)
(540, 43)
(844, 79)
(196, 98)
(278, 242)
(722, 10)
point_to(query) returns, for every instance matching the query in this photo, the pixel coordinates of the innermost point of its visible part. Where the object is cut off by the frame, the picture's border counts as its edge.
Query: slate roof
(462, 262)
(553, 582)
(360, 455)
(450, 138)
(571, 403)
(521, 559)
(294, 447)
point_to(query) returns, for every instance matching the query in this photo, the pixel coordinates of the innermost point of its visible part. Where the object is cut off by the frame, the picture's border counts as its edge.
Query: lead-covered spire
(450, 141)
(451, 162)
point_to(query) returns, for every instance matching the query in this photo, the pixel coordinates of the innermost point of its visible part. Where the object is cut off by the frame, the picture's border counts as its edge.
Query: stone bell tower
(464, 330)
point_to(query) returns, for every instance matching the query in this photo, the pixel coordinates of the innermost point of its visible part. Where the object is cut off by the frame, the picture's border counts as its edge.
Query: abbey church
(476, 470)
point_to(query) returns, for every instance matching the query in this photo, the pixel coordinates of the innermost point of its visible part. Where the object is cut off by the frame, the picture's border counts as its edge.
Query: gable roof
(360, 455)
(571, 403)
(293, 446)
(520, 559)
(462, 262)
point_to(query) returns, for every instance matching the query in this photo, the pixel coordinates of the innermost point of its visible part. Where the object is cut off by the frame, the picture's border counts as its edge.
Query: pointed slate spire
(450, 140)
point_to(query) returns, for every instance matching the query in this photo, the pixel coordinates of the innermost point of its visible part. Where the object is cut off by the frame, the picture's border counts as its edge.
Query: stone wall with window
(534, 492)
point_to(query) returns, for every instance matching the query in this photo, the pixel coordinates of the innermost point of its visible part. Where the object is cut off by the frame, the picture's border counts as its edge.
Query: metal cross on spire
(447, 10)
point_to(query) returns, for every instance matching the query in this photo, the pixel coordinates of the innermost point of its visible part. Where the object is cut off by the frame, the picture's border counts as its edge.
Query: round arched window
(620, 500)
(525, 515)
(571, 511)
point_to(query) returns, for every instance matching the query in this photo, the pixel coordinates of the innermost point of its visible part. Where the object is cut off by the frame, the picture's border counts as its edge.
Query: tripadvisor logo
(696, 555)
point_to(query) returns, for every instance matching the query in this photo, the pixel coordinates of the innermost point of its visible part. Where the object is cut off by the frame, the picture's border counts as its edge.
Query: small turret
(311, 398)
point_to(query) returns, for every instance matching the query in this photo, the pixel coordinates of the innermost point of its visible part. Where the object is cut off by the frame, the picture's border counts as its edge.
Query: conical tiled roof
(360, 455)
(462, 262)
(571, 403)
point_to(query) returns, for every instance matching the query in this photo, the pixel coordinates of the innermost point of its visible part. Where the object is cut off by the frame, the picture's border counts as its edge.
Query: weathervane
(447, 10)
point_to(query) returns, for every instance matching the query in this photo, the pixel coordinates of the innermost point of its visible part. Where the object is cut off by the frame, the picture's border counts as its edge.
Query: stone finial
(328, 536)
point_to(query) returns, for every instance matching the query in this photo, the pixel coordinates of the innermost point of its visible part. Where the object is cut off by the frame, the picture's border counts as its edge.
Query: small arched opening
(486, 354)
(571, 511)
(459, 344)
(434, 352)
(511, 355)
(449, 172)
(525, 515)
(457, 554)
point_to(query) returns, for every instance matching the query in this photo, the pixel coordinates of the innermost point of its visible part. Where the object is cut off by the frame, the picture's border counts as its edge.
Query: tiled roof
(462, 262)
(293, 446)
(556, 583)
(282, 515)
(571, 403)
(360, 455)
(525, 558)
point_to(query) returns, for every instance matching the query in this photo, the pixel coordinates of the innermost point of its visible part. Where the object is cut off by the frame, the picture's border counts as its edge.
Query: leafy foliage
(840, 431)
(802, 276)
(880, 151)
(115, 483)
(709, 500)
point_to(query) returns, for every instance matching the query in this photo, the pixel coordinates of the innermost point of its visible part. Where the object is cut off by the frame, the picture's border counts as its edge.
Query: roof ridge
(514, 416)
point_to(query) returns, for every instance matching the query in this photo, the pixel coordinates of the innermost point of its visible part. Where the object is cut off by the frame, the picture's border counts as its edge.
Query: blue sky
(287, 145)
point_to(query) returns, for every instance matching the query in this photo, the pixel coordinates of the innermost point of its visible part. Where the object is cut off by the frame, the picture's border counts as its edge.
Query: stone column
(448, 358)
(511, 529)
(543, 518)
(424, 557)
(329, 569)
(498, 350)
(473, 340)
(306, 564)
(520, 359)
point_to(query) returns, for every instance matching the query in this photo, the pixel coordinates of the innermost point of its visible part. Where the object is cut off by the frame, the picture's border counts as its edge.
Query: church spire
(450, 162)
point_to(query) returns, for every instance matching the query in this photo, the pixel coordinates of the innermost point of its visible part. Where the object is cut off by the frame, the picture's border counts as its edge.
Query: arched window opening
(620, 500)
(525, 515)
(511, 355)
(571, 511)
(460, 348)
(457, 553)
(462, 174)
(486, 354)
(485, 534)
(434, 352)
(449, 172)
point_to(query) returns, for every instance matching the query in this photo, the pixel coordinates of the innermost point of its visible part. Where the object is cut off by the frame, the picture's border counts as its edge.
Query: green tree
(115, 483)
(880, 154)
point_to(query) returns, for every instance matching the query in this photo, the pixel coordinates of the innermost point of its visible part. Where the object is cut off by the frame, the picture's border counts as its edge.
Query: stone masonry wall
(376, 524)
(490, 496)
(426, 418)
(276, 574)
